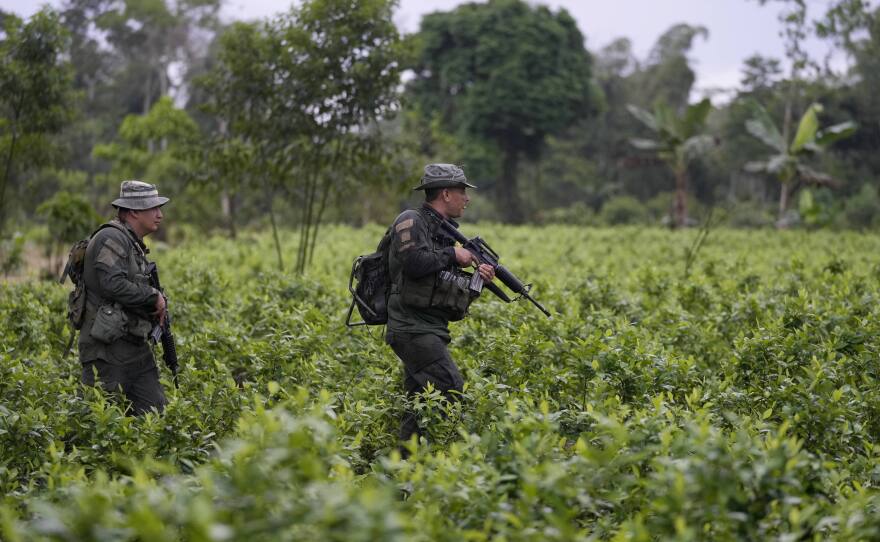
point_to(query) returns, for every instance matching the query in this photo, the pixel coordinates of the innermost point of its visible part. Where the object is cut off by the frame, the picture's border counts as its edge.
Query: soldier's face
(147, 221)
(456, 200)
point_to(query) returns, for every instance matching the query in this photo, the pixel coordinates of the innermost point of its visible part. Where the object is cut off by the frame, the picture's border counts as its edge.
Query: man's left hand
(487, 272)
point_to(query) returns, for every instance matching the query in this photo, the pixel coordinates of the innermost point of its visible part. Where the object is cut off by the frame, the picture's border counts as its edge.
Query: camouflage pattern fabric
(426, 359)
(115, 273)
(417, 333)
(138, 382)
(418, 252)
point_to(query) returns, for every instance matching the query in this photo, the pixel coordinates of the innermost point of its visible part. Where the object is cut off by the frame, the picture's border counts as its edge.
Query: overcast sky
(737, 28)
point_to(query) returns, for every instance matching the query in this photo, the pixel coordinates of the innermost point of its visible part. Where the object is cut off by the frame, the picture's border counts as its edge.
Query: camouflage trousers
(137, 381)
(425, 359)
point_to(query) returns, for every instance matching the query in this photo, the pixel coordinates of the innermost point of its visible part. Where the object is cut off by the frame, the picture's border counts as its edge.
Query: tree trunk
(6, 175)
(507, 190)
(227, 199)
(163, 78)
(324, 196)
(227, 204)
(307, 217)
(680, 209)
(147, 86)
(325, 188)
(366, 209)
(7, 170)
(305, 224)
(275, 229)
(784, 194)
(787, 127)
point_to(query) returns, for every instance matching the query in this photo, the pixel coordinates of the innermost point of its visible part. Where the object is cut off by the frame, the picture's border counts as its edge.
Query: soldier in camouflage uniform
(428, 289)
(121, 306)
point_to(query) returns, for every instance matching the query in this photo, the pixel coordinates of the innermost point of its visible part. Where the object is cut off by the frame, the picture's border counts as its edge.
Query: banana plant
(679, 139)
(789, 163)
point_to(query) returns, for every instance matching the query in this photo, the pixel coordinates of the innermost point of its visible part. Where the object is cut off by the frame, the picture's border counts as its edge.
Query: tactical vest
(446, 290)
(137, 326)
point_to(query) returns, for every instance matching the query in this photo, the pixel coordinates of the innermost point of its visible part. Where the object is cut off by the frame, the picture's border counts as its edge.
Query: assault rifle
(485, 255)
(162, 333)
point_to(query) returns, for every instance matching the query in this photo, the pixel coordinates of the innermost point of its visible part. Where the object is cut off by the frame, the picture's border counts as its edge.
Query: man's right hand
(160, 309)
(464, 257)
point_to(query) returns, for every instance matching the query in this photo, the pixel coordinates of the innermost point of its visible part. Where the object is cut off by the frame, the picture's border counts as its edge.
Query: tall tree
(679, 139)
(305, 91)
(35, 93)
(157, 147)
(507, 73)
(762, 81)
(593, 160)
(339, 99)
(253, 116)
(760, 74)
(858, 32)
(149, 37)
(789, 163)
(667, 76)
(796, 29)
(126, 54)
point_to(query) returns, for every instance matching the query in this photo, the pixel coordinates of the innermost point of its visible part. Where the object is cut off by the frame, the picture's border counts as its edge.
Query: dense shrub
(863, 209)
(739, 403)
(623, 210)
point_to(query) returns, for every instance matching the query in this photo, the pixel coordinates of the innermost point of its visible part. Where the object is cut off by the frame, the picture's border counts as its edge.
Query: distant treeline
(325, 113)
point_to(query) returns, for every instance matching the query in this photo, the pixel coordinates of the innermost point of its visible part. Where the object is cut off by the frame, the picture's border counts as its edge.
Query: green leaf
(763, 128)
(667, 122)
(807, 128)
(755, 167)
(646, 144)
(643, 116)
(812, 176)
(835, 133)
(777, 164)
(697, 146)
(695, 117)
(806, 203)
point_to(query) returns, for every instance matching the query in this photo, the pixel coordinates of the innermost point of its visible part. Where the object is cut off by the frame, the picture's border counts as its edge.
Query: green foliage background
(325, 113)
(739, 403)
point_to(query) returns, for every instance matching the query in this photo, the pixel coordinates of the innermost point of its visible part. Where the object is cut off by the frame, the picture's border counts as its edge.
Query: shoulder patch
(406, 246)
(111, 252)
(405, 225)
(405, 236)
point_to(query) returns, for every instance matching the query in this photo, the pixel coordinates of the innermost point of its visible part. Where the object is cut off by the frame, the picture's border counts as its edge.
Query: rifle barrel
(497, 291)
(480, 250)
(509, 279)
(540, 307)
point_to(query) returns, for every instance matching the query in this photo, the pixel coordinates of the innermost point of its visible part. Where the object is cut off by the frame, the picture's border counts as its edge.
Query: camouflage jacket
(115, 273)
(419, 251)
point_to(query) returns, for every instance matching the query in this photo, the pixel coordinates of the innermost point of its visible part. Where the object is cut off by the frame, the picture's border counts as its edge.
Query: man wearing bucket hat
(121, 306)
(429, 288)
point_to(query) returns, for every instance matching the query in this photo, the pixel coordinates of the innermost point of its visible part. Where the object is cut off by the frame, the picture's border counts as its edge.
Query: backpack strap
(76, 256)
(91, 296)
(111, 224)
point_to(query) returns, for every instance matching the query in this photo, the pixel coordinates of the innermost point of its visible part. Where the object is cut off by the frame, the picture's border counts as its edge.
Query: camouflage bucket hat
(138, 195)
(443, 176)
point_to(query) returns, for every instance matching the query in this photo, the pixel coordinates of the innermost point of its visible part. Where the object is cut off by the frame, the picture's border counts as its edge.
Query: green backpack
(76, 258)
(370, 284)
(76, 300)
